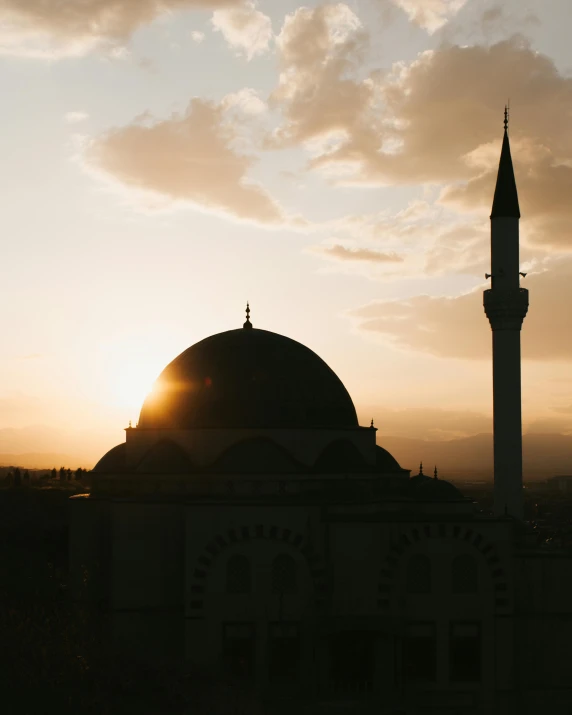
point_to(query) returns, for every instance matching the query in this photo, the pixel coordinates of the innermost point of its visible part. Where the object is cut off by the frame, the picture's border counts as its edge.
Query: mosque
(251, 525)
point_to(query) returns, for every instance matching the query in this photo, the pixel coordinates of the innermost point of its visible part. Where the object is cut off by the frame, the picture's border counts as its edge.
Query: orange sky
(332, 163)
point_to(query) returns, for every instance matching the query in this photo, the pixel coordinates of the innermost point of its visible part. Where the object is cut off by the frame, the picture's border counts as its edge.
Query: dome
(427, 488)
(385, 461)
(112, 461)
(248, 378)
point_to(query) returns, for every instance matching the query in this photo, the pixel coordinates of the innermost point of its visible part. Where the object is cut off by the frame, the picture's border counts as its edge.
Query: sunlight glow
(131, 384)
(130, 368)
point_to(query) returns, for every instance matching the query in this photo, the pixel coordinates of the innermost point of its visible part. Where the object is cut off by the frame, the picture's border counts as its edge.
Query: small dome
(385, 462)
(340, 456)
(250, 379)
(112, 461)
(426, 488)
(256, 456)
(166, 457)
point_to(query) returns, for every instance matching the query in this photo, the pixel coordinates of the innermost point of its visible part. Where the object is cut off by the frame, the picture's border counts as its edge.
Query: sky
(164, 161)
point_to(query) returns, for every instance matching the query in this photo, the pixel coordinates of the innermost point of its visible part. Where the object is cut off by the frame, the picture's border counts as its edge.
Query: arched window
(238, 574)
(418, 579)
(284, 576)
(465, 574)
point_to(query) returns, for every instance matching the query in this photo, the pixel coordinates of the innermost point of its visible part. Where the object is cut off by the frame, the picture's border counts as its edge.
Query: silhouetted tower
(506, 304)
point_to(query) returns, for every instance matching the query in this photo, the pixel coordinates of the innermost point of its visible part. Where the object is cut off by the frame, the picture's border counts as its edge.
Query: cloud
(51, 28)
(434, 121)
(187, 157)
(430, 239)
(431, 15)
(343, 253)
(197, 36)
(457, 327)
(245, 28)
(441, 113)
(544, 182)
(247, 100)
(316, 48)
(459, 246)
(75, 117)
(502, 20)
(445, 327)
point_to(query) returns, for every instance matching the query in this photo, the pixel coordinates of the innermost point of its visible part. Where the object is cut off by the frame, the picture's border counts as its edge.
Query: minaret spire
(506, 305)
(505, 201)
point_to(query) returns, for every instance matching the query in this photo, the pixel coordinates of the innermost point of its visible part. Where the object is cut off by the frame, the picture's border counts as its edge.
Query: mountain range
(544, 455)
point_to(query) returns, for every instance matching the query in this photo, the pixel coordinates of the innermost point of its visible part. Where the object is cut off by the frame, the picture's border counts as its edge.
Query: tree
(54, 473)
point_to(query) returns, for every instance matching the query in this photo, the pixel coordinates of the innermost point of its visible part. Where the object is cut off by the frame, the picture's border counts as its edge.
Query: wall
(544, 630)
(155, 564)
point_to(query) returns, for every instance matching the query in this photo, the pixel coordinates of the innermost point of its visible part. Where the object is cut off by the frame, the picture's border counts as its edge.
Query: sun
(129, 371)
(130, 386)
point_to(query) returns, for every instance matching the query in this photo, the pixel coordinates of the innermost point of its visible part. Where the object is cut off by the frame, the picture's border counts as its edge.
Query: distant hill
(544, 455)
(40, 447)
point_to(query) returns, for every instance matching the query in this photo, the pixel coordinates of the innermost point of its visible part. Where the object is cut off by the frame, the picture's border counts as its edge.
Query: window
(352, 662)
(239, 649)
(284, 576)
(418, 578)
(284, 651)
(465, 652)
(465, 574)
(420, 652)
(238, 574)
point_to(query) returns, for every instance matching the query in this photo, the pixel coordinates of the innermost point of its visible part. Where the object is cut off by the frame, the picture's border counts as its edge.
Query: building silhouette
(249, 524)
(506, 305)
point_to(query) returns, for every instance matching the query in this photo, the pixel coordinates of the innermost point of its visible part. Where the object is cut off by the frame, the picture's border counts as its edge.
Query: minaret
(506, 304)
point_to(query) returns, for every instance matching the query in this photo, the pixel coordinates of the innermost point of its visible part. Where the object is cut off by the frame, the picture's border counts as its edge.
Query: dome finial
(421, 469)
(435, 473)
(247, 324)
(371, 425)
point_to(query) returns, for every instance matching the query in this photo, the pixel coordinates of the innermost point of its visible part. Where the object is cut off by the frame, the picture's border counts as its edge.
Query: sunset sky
(163, 161)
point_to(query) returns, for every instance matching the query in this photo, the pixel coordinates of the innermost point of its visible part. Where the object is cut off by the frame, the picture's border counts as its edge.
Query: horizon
(351, 210)
(542, 459)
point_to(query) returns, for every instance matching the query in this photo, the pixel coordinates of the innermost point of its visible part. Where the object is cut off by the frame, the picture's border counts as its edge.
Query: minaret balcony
(506, 309)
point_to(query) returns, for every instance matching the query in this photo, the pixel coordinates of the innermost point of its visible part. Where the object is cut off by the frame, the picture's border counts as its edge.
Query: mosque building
(251, 525)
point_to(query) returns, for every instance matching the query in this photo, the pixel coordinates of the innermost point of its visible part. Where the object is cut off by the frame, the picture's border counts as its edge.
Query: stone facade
(386, 605)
